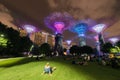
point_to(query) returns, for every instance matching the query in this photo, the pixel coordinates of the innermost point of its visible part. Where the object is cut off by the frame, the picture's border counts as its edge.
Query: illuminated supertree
(80, 29)
(99, 38)
(68, 45)
(29, 28)
(58, 22)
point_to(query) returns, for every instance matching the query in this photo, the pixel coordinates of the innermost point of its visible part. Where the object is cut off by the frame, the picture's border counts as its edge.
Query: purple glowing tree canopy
(98, 28)
(113, 40)
(59, 22)
(59, 26)
(29, 28)
(79, 28)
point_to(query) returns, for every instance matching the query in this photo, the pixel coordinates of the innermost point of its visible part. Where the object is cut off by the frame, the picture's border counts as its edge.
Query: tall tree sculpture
(99, 28)
(80, 28)
(58, 22)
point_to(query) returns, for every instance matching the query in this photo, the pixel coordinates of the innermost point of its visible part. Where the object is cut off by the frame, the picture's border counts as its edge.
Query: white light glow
(68, 42)
(99, 28)
(81, 35)
(113, 40)
(29, 28)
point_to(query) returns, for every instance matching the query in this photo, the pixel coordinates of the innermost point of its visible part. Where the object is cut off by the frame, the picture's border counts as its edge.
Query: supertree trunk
(58, 44)
(82, 41)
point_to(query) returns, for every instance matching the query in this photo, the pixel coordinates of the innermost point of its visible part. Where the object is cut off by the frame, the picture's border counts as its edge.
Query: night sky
(34, 11)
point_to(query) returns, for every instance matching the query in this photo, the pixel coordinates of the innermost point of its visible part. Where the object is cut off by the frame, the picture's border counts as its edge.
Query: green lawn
(30, 69)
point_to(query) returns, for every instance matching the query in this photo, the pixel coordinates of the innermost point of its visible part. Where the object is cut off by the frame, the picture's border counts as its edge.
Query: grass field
(31, 69)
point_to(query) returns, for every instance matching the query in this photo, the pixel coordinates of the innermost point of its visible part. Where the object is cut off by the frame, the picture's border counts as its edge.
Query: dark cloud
(102, 11)
(6, 17)
(28, 12)
(116, 9)
(80, 9)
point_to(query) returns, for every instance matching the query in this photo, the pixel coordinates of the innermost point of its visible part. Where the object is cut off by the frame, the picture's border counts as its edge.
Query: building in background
(42, 37)
(38, 38)
(23, 32)
(51, 40)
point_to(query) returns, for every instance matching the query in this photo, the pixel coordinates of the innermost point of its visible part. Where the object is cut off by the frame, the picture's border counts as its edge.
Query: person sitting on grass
(48, 69)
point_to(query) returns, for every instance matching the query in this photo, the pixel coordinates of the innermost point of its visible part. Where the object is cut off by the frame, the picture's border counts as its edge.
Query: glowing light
(3, 41)
(96, 38)
(99, 28)
(29, 28)
(79, 28)
(81, 35)
(113, 50)
(113, 40)
(1, 35)
(59, 22)
(68, 42)
(59, 26)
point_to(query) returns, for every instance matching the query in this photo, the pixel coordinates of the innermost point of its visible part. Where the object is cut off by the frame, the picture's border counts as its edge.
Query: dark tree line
(81, 50)
(44, 49)
(16, 44)
(118, 43)
(106, 48)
